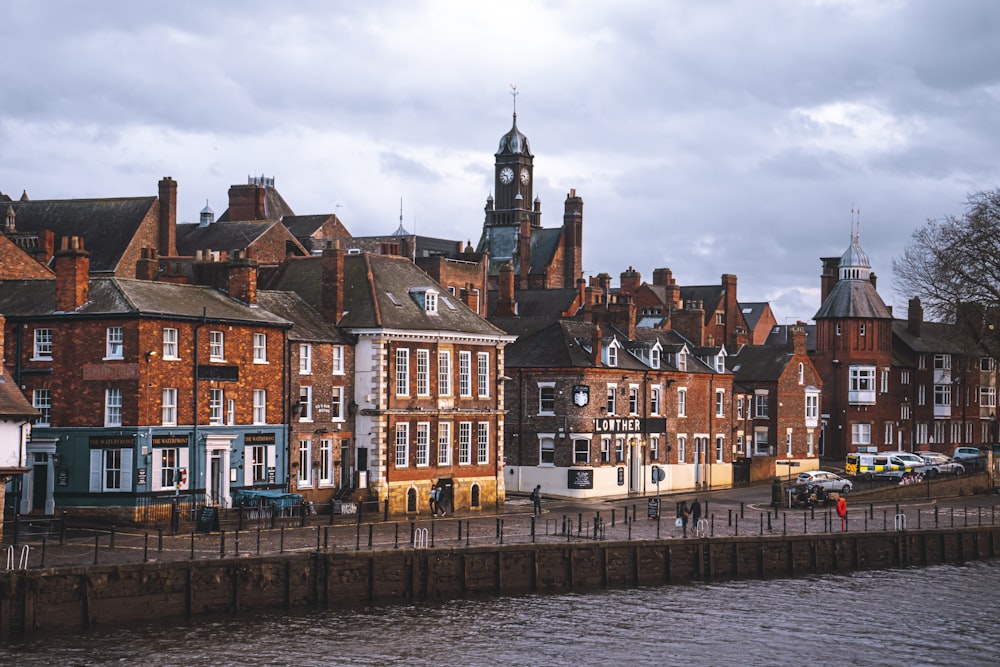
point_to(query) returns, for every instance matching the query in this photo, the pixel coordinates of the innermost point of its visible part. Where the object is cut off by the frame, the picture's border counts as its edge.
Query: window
(861, 329)
(605, 450)
(720, 363)
(166, 463)
(987, 397)
(720, 318)
(215, 403)
(260, 348)
(654, 447)
(921, 395)
(904, 377)
(861, 433)
(904, 411)
(612, 399)
(326, 469)
(423, 372)
(809, 444)
(612, 355)
(305, 358)
(546, 451)
(337, 404)
(760, 405)
(465, 373)
(720, 448)
(430, 301)
(546, 398)
(483, 449)
(802, 373)
(942, 395)
(423, 444)
(113, 470)
(231, 412)
(168, 410)
(581, 451)
(305, 403)
(43, 344)
(720, 403)
(654, 357)
(739, 408)
(620, 450)
(305, 463)
(942, 362)
(837, 329)
(170, 343)
(887, 434)
(216, 346)
(259, 406)
(987, 364)
(41, 400)
(682, 402)
(483, 374)
(113, 407)
(788, 442)
(884, 381)
(654, 399)
(444, 373)
(114, 348)
(681, 448)
(258, 463)
(402, 445)
(762, 444)
(633, 400)
(682, 361)
(812, 409)
(465, 443)
(444, 443)
(402, 372)
(922, 361)
(338, 359)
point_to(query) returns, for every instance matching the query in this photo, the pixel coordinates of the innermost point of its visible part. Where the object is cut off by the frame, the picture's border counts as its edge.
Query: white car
(940, 464)
(828, 480)
(972, 458)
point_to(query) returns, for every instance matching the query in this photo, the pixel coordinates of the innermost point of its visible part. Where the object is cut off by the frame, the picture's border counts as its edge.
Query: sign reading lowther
(630, 425)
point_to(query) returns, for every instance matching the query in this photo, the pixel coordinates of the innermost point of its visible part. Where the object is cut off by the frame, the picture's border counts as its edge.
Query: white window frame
(720, 402)
(655, 392)
(581, 454)
(613, 355)
(802, 373)
(231, 411)
(861, 385)
(423, 360)
(113, 406)
(681, 448)
(41, 400)
(761, 405)
(337, 408)
(612, 399)
(257, 465)
(111, 470)
(42, 348)
(216, 403)
(306, 403)
(259, 406)
(861, 433)
(168, 406)
(465, 374)
(464, 443)
(402, 442)
(216, 346)
(166, 462)
(402, 371)
(444, 372)
(305, 359)
(545, 387)
(483, 444)
(761, 441)
(114, 347)
(812, 409)
(633, 399)
(547, 450)
(423, 444)
(654, 448)
(260, 348)
(170, 344)
(483, 374)
(788, 442)
(720, 448)
(304, 478)
(337, 356)
(654, 358)
(987, 397)
(327, 468)
(682, 402)
(444, 443)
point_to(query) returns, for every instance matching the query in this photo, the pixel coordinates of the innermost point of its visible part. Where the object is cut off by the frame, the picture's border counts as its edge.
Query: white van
(884, 464)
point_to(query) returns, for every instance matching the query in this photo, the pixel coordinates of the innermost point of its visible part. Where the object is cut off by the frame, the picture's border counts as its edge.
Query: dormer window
(612, 355)
(427, 298)
(654, 357)
(682, 363)
(720, 363)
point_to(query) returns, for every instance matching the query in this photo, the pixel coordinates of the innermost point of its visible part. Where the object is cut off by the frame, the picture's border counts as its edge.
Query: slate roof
(275, 206)
(759, 363)
(537, 302)
(304, 226)
(118, 296)
(543, 247)
(752, 311)
(502, 245)
(853, 298)
(935, 337)
(12, 401)
(307, 323)
(779, 335)
(709, 295)
(226, 237)
(106, 225)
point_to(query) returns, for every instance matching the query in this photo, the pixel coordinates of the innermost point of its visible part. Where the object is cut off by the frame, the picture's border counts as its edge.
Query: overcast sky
(710, 137)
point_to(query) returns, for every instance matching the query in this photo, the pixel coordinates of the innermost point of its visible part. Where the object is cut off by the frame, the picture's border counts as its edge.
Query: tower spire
(513, 93)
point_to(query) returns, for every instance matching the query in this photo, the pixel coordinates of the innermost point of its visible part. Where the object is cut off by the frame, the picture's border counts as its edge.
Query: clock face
(506, 175)
(525, 176)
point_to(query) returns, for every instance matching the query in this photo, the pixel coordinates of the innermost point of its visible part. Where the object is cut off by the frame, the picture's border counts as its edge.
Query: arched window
(411, 500)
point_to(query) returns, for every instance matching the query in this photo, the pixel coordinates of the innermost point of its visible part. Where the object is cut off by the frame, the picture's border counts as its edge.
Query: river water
(941, 615)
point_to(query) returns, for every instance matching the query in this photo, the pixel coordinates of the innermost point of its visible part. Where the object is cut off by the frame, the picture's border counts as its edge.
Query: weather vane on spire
(513, 93)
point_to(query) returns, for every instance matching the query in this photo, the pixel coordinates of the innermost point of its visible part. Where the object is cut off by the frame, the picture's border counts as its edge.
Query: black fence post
(145, 549)
(62, 528)
(97, 546)
(192, 545)
(44, 542)
(281, 541)
(258, 540)
(112, 541)
(159, 539)
(371, 529)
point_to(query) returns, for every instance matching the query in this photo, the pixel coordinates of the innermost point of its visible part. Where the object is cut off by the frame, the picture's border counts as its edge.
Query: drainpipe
(193, 460)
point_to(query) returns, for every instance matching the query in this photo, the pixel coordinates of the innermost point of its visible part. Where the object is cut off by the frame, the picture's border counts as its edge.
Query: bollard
(395, 543)
(145, 549)
(741, 510)
(459, 524)
(498, 528)
(629, 533)
(918, 519)
(712, 533)
(612, 517)
(769, 522)
(97, 543)
(762, 523)
(935, 516)
(258, 540)
(579, 522)
(222, 544)
(784, 524)
(736, 528)
(357, 536)
(731, 517)
(805, 523)
(318, 533)
(192, 545)
(236, 545)
(433, 526)
(45, 540)
(866, 522)
(371, 530)
(657, 526)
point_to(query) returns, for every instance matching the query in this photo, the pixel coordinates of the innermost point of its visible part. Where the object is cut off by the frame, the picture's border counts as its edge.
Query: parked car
(972, 458)
(940, 464)
(828, 480)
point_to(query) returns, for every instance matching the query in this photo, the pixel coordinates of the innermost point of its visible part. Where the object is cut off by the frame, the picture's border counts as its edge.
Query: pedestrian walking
(682, 516)
(536, 499)
(433, 499)
(695, 514)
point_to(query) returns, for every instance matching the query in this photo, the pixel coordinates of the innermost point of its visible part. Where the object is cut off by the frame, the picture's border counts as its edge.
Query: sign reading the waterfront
(580, 479)
(110, 441)
(258, 439)
(170, 441)
(630, 425)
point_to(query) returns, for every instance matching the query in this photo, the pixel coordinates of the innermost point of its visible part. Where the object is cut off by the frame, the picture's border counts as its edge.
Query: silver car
(828, 480)
(939, 464)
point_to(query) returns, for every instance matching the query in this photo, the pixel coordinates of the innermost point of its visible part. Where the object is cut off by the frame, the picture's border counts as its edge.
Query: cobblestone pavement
(45, 544)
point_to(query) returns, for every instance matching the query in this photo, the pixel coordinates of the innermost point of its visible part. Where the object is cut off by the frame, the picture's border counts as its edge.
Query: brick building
(16, 416)
(143, 387)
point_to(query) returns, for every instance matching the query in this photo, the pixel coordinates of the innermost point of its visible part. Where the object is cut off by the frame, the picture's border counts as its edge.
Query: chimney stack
(242, 275)
(797, 344)
(630, 281)
(595, 346)
(332, 283)
(506, 306)
(72, 266)
(148, 265)
(914, 316)
(168, 217)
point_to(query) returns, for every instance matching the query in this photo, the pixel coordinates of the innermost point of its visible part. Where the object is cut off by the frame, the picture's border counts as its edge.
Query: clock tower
(513, 183)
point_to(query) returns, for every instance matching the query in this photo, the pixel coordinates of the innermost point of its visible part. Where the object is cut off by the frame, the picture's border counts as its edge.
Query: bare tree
(955, 260)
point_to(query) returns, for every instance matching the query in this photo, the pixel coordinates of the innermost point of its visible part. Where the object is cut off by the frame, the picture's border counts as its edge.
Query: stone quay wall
(79, 598)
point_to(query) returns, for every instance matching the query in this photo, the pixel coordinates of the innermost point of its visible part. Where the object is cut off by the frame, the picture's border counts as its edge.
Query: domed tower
(854, 355)
(513, 182)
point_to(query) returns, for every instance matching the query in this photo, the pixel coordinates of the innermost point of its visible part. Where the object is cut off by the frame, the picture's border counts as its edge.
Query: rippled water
(943, 615)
